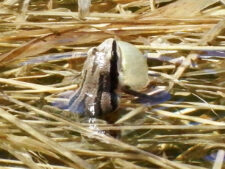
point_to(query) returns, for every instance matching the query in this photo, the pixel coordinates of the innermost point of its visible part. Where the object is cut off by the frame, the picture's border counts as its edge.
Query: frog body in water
(97, 93)
(111, 66)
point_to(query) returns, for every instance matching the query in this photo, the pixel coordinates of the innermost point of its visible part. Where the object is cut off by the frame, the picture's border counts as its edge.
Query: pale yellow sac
(83, 8)
(133, 67)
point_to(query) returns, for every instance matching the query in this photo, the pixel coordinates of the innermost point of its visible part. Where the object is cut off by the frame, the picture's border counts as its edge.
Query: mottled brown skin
(97, 93)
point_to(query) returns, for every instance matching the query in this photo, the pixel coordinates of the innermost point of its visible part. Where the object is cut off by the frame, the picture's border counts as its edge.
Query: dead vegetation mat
(43, 45)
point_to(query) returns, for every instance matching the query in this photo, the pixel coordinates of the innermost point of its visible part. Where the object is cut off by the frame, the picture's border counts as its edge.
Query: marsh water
(43, 46)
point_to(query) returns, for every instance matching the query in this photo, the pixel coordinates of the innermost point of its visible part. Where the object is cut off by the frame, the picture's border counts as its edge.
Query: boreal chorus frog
(108, 67)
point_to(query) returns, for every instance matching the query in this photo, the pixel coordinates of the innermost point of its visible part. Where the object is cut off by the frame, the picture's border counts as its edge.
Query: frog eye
(133, 67)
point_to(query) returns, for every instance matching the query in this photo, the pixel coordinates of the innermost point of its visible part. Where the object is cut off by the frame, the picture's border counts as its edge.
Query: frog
(110, 68)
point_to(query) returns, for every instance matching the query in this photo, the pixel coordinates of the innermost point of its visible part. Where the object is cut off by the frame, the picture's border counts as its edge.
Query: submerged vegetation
(43, 45)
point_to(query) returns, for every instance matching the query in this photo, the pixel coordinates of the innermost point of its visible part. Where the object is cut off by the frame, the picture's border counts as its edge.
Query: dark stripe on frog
(114, 81)
(97, 108)
(108, 83)
(104, 86)
(94, 61)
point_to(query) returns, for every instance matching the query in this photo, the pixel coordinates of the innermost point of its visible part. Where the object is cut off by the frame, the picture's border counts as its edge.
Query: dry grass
(42, 48)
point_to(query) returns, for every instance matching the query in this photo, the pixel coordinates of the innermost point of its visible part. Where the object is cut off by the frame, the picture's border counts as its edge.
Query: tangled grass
(43, 45)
